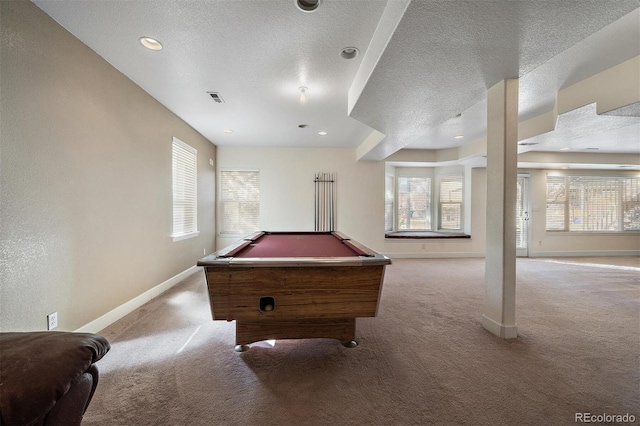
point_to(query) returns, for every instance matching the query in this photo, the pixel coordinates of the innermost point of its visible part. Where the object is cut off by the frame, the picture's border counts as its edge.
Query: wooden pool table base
(294, 285)
(343, 329)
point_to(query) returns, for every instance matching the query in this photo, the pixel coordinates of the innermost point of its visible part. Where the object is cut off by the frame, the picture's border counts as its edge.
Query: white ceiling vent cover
(216, 97)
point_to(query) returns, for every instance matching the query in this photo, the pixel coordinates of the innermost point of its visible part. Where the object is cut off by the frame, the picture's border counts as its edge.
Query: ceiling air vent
(216, 97)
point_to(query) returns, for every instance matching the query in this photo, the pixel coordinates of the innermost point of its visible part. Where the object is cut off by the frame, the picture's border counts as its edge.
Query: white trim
(548, 233)
(185, 145)
(444, 255)
(133, 304)
(584, 253)
(500, 330)
(185, 236)
(433, 255)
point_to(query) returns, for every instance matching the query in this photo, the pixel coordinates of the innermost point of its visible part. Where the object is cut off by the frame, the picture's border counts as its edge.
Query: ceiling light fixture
(307, 5)
(228, 131)
(458, 136)
(303, 126)
(349, 52)
(150, 43)
(322, 133)
(565, 149)
(303, 94)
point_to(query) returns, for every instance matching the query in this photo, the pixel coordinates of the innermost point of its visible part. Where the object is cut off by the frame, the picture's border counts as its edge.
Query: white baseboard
(433, 255)
(443, 255)
(500, 330)
(133, 304)
(585, 253)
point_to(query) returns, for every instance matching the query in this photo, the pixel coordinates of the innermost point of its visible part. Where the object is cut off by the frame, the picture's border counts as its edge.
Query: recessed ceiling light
(151, 43)
(303, 126)
(322, 133)
(228, 131)
(307, 5)
(303, 93)
(458, 136)
(349, 52)
(565, 149)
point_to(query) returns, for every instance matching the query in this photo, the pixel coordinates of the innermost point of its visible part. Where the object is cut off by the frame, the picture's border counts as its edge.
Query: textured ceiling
(421, 63)
(444, 55)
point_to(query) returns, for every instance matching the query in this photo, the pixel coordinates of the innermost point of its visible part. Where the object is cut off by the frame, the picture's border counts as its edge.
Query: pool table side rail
(215, 261)
(226, 256)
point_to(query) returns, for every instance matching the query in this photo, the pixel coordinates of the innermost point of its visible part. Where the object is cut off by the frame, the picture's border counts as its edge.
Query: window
(450, 203)
(388, 202)
(414, 203)
(593, 203)
(239, 201)
(556, 203)
(185, 190)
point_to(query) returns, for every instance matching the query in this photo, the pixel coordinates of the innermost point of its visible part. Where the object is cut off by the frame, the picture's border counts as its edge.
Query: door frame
(524, 252)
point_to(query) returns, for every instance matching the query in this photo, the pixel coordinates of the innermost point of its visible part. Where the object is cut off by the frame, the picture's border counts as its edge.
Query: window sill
(184, 236)
(424, 235)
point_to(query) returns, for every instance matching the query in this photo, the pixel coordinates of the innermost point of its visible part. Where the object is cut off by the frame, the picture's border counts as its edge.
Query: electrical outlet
(52, 321)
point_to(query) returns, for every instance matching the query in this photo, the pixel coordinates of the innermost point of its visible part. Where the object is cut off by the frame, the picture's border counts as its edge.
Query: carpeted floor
(424, 360)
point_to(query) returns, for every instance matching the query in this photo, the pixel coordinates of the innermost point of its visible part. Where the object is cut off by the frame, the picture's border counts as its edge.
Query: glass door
(522, 216)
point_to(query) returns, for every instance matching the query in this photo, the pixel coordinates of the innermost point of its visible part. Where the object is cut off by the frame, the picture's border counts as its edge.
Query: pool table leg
(350, 344)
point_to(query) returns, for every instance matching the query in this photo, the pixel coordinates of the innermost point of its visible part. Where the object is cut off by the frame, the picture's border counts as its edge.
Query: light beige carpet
(424, 360)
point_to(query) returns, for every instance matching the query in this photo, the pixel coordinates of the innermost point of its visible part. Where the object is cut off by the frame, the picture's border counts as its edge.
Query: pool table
(294, 285)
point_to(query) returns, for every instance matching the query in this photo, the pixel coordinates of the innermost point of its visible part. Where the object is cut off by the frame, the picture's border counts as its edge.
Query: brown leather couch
(48, 378)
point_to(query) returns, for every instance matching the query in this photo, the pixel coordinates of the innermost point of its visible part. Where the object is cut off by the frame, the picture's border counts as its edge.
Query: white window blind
(388, 202)
(631, 204)
(239, 201)
(556, 203)
(185, 190)
(593, 203)
(414, 203)
(450, 202)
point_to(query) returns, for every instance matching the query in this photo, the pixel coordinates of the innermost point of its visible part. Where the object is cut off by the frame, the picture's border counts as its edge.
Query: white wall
(85, 175)
(287, 189)
(286, 197)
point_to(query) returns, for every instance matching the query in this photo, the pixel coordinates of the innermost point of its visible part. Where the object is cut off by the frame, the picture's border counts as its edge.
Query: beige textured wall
(85, 180)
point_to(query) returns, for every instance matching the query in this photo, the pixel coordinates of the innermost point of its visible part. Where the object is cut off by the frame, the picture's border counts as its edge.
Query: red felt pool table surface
(297, 244)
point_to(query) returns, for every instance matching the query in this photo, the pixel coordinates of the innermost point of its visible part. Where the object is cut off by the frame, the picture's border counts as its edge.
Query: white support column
(499, 315)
